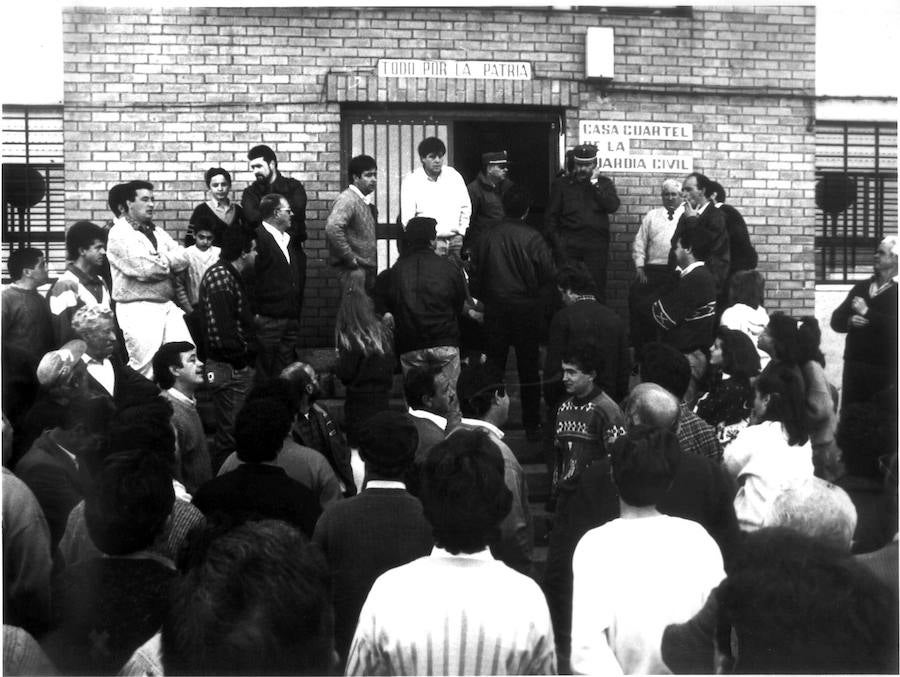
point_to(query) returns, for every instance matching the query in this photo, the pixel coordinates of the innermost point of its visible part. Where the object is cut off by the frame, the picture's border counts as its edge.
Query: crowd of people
(177, 499)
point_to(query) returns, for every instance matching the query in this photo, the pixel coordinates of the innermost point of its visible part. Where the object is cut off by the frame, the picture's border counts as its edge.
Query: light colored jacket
(141, 272)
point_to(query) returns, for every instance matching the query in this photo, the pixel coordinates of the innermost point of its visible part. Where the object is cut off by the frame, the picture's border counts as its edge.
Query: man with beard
(264, 165)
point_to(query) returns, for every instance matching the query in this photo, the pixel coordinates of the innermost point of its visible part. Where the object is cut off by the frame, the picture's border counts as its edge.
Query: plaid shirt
(696, 436)
(227, 319)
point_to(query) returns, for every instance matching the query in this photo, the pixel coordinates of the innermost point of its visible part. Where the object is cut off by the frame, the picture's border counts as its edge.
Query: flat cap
(56, 366)
(586, 152)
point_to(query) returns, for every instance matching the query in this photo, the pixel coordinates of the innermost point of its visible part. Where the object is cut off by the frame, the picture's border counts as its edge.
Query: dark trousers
(517, 326)
(276, 339)
(228, 388)
(595, 256)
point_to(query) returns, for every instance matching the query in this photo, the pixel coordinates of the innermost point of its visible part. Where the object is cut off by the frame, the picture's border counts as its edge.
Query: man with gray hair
(650, 253)
(814, 508)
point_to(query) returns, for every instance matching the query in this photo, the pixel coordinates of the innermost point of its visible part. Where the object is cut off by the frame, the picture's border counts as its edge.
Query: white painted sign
(613, 140)
(449, 68)
(592, 131)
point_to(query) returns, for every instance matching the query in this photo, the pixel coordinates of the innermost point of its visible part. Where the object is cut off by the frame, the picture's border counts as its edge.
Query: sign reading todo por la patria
(449, 68)
(613, 140)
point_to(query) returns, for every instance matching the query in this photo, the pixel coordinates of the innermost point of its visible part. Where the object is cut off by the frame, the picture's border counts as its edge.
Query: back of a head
(20, 259)
(576, 278)
(254, 600)
(475, 389)
(129, 501)
(817, 509)
(791, 604)
(419, 382)
(419, 232)
(387, 444)
(644, 462)
(516, 202)
(235, 241)
(463, 492)
(787, 400)
(783, 332)
(146, 426)
(652, 405)
(665, 365)
(740, 359)
(260, 429)
(747, 287)
(809, 338)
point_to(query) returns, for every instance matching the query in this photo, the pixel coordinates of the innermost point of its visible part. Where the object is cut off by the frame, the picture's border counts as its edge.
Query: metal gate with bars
(394, 143)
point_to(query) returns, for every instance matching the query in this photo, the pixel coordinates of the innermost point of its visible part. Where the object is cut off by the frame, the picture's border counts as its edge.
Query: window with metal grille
(856, 196)
(34, 182)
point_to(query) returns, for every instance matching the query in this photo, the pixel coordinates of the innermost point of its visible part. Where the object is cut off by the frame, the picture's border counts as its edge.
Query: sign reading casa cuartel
(613, 140)
(450, 68)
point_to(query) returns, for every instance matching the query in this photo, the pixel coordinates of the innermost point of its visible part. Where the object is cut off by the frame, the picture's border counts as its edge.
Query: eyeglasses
(285, 209)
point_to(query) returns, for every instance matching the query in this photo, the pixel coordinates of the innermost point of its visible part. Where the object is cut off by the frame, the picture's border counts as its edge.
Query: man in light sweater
(439, 192)
(179, 373)
(350, 228)
(143, 259)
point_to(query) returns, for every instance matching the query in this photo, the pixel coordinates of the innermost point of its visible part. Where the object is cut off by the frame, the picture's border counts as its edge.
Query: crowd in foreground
(713, 509)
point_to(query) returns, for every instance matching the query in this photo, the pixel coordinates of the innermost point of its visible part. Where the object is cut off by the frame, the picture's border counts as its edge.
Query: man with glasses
(277, 289)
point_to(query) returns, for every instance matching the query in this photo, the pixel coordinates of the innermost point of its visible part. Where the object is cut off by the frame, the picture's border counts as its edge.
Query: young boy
(200, 255)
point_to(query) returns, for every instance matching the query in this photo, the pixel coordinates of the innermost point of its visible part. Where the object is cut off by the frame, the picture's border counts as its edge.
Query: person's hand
(859, 305)
(640, 275)
(689, 209)
(858, 321)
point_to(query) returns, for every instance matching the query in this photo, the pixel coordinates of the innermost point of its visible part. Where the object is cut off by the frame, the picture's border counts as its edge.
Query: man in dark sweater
(687, 313)
(700, 491)
(381, 528)
(258, 489)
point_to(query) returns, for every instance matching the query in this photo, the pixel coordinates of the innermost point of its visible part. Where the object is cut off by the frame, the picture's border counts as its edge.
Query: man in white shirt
(457, 611)
(439, 192)
(635, 575)
(143, 259)
(650, 253)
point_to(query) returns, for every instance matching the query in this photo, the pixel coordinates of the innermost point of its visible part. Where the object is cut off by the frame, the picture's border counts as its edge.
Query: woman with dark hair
(746, 294)
(773, 452)
(728, 403)
(821, 400)
(365, 349)
(218, 211)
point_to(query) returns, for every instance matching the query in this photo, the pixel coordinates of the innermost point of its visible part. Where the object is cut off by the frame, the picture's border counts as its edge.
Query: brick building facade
(164, 94)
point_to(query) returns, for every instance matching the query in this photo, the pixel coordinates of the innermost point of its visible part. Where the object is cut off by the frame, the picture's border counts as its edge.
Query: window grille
(866, 153)
(33, 140)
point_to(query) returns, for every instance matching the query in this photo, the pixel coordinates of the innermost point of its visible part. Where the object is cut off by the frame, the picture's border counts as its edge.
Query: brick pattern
(167, 93)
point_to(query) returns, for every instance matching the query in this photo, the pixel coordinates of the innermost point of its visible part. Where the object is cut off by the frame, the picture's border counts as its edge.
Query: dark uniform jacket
(577, 211)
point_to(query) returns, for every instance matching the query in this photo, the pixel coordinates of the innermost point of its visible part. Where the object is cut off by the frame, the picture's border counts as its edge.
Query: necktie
(671, 212)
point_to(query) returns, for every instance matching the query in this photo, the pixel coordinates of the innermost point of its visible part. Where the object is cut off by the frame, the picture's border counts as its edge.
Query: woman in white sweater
(774, 452)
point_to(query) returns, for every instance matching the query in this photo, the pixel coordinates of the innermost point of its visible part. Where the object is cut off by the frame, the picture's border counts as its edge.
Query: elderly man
(280, 269)
(437, 191)
(143, 259)
(577, 216)
(350, 228)
(650, 253)
(869, 318)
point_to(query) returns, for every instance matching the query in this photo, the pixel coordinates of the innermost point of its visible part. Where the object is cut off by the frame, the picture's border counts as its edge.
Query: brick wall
(166, 93)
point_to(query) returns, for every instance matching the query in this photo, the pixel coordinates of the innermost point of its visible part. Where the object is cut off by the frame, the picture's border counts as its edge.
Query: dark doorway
(532, 147)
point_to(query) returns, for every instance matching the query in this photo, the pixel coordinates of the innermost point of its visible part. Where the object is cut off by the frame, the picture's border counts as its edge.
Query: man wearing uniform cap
(577, 218)
(486, 193)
